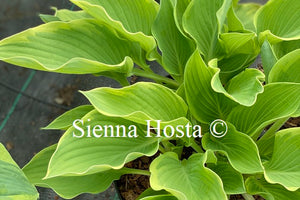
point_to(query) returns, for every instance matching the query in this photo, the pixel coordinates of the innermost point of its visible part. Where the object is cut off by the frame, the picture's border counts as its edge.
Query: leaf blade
(283, 168)
(14, 184)
(67, 186)
(240, 149)
(101, 150)
(191, 178)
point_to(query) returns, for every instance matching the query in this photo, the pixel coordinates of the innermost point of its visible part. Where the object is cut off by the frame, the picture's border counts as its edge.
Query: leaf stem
(275, 127)
(156, 77)
(161, 149)
(196, 147)
(248, 196)
(126, 170)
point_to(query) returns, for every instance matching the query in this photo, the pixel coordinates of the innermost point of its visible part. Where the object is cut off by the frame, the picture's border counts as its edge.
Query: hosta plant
(206, 47)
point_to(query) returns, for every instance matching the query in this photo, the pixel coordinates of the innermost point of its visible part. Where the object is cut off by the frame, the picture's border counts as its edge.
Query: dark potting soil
(130, 185)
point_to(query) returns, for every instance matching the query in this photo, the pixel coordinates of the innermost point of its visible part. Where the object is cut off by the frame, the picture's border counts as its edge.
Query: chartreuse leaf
(186, 179)
(240, 51)
(70, 48)
(240, 149)
(233, 65)
(179, 9)
(64, 15)
(202, 100)
(246, 12)
(176, 48)
(270, 106)
(13, 183)
(160, 197)
(202, 84)
(287, 68)
(233, 22)
(238, 43)
(203, 20)
(232, 180)
(68, 15)
(278, 20)
(48, 18)
(99, 143)
(66, 120)
(132, 19)
(5, 156)
(270, 191)
(268, 58)
(284, 166)
(135, 15)
(151, 194)
(285, 47)
(67, 186)
(243, 88)
(139, 102)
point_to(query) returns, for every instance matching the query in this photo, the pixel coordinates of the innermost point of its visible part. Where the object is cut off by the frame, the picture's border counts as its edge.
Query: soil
(292, 123)
(131, 186)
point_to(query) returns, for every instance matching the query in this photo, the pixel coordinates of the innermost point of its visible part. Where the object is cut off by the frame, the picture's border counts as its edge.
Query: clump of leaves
(207, 48)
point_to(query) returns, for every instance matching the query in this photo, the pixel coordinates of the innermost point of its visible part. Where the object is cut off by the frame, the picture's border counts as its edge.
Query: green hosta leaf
(243, 88)
(270, 106)
(139, 102)
(297, 113)
(83, 152)
(239, 43)
(48, 18)
(205, 104)
(265, 147)
(68, 15)
(203, 20)
(179, 9)
(67, 186)
(13, 183)
(66, 120)
(187, 179)
(64, 15)
(279, 20)
(285, 47)
(176, 48)
(235, 3)
(246, 12)
(160, 197)
(232, 180)
(233, 22)
(284, 166)
(240, 50)
(240, 149)
(268, 58)
(77, 47)
(287, 68)
(270, 191)
(5, 156)
(151, 194)
(135, 15)
(132, 19)
(233, 65)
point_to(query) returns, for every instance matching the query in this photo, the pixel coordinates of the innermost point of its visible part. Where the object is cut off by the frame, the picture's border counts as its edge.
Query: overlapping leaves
(14, 184)
(84, 150)
(67, 186)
